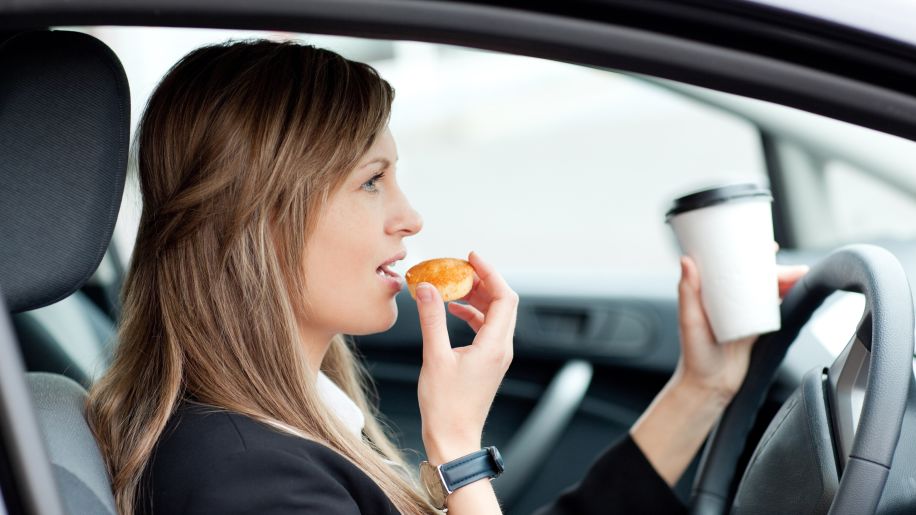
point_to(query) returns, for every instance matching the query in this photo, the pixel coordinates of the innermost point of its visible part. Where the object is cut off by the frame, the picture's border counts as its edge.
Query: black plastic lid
(718, 195)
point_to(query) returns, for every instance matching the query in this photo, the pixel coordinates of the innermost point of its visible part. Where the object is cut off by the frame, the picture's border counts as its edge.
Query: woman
(271, 215)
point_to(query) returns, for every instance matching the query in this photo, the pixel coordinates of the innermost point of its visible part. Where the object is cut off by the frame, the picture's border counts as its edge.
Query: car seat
(64, 133)
(73, 337)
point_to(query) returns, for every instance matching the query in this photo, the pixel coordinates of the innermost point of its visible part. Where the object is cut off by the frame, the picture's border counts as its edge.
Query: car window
(551, 167)
(533, 163)
(840, 182)
(866, 208)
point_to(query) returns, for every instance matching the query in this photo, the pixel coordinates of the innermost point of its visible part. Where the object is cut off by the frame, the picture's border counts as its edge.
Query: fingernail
(424, 292)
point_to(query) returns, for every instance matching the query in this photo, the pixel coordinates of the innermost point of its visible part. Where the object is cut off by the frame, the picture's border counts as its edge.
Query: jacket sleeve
(621, 481)
(268, 482)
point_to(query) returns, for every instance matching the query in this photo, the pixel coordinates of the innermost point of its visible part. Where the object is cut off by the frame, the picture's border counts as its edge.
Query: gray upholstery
(80, 472)
(64, 132)
(72, 337)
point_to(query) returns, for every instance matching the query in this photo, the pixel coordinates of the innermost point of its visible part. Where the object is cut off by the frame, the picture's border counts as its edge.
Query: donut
(454, 278)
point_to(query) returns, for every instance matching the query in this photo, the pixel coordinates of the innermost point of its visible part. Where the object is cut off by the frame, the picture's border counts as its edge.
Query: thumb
(432, 322)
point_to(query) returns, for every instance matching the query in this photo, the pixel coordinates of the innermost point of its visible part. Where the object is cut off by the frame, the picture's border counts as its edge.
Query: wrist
(445, 449)
(710, 391)
(459, 475)
(703, 396)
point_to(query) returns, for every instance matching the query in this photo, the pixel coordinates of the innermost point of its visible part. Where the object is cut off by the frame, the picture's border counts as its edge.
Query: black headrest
(64, 134)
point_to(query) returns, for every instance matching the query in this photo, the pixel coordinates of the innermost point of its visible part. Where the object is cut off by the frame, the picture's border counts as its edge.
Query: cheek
(332, 280)
(350, 305)
(344, 295)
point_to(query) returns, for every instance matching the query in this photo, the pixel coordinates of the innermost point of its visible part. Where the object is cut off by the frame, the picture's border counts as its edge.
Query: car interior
(590, 354)
(67, 91)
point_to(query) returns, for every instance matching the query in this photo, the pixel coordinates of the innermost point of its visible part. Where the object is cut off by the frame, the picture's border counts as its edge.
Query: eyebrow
(382, 160)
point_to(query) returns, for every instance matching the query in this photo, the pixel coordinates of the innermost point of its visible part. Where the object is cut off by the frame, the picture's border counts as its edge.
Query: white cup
(728, 232)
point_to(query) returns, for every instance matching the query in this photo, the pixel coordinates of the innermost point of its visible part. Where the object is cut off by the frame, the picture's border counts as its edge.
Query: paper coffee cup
(728, 232)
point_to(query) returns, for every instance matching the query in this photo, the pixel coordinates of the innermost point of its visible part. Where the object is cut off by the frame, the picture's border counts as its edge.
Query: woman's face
(358, 236)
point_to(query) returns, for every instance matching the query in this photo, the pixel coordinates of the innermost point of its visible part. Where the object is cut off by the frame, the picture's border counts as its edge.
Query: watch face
(432, 482)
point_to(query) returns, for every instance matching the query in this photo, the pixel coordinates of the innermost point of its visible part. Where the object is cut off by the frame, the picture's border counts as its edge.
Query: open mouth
(386, 269)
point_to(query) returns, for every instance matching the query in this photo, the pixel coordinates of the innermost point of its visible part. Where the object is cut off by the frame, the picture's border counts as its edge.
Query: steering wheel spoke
(847, 379)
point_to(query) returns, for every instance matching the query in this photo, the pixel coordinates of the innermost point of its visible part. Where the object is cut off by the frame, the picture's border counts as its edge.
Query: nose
(404, 219)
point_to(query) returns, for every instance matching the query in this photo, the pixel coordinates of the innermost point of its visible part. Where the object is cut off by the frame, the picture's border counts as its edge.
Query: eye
(371, 185)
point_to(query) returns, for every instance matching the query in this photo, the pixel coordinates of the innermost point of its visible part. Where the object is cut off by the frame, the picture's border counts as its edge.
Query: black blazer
(216, 462)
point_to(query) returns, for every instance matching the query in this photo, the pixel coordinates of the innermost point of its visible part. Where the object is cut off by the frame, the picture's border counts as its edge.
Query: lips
(384, 270)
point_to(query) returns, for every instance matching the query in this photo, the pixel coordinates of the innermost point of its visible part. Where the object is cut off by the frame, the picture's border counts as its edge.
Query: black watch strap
(465, 470)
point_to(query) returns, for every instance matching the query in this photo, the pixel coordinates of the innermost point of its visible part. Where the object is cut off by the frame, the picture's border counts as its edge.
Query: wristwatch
(444, 479)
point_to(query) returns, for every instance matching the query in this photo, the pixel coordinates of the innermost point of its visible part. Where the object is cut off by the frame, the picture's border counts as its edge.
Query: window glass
(866, 208)
(533, 163)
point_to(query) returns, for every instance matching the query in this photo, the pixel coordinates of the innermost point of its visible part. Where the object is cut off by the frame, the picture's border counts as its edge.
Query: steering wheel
(832, 442)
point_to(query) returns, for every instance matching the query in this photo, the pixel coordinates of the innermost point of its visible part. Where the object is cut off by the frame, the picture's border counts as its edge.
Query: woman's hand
(704, 364)
(457, 386)
(708, 375)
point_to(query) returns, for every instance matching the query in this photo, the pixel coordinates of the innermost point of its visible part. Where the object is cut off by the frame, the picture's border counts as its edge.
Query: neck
(315, 344)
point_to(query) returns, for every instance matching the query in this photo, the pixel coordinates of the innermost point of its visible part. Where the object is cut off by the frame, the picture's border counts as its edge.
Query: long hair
(239, 147)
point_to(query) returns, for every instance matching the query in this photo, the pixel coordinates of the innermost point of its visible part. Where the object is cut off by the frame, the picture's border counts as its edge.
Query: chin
(392, 318)
(378, 323)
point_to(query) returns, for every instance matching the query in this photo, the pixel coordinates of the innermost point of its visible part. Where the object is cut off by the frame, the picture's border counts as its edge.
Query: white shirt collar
(340, 404)
(345, 409)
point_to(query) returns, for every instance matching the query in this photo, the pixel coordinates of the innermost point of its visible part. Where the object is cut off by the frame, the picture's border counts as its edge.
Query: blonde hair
(237, 150)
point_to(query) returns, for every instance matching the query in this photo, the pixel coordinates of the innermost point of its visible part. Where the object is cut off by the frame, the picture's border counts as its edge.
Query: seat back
(60, 404)
(72, 337)
(64, 131)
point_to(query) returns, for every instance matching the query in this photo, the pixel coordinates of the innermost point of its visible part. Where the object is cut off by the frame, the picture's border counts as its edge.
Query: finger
(492, 283)
(432, 322)
(691, 317)
(478, 297)
(775, 246)
(791, 272)
(787, 276)
(469, 314)
(492, 290)
(490, 280)
(500, 315)
(499, 321)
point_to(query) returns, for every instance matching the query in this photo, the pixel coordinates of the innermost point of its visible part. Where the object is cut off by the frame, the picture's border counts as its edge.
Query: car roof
(746, 48)
(742, 47)
(895, 19)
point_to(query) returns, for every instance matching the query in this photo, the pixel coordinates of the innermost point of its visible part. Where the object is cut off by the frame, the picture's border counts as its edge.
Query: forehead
(383, 149)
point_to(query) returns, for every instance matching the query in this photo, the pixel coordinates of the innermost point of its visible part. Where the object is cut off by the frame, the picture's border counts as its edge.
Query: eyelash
(369, 186)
